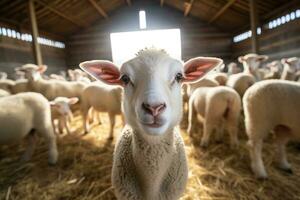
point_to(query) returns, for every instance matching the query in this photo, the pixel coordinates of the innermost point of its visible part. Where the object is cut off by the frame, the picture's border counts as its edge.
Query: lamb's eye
(179, 77)
(125, 78)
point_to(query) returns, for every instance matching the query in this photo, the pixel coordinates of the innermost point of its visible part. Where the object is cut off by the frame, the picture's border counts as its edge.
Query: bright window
(126, 44)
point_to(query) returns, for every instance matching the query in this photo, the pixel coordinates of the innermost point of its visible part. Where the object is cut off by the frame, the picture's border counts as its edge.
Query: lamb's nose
(154, 109)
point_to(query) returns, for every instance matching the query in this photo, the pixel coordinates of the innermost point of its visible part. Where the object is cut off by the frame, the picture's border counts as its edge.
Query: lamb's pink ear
(42, 68)
(102, 70)
(241, 59)
(73, 100)
(196, 68)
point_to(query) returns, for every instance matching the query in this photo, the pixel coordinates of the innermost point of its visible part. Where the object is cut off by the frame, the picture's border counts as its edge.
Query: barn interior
(63, 33)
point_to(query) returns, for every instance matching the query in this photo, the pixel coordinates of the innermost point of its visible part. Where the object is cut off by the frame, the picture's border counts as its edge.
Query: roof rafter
(222, 10)
(98, 8)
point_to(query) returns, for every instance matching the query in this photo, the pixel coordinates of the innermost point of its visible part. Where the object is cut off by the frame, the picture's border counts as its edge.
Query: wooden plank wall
(14, 53)
(198, 38)
(282, 41)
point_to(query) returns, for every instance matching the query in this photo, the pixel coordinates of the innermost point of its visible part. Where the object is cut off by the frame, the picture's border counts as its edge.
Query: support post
(254, 22)
(35, 34)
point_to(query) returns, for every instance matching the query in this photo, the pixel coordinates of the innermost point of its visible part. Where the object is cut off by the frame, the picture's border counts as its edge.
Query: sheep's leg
(208, 130)
(233, 130)
(112, 119)
(282, 138)
(220, 133)
(257, 164)
(85, 117)
(192, 119)
(123, 119)
(98, 117)
(54, 127)
(60, 126)
(66, 125)
(30, 147)
(50, 138)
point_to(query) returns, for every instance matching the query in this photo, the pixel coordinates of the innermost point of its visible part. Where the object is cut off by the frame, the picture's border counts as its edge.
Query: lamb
(27, 114)
(233, 68)
(275, 70)
(7, 85)
(110, 102)
(78, 75)
(220, 77)
(271, 105)
(219, 108)
(50, 88)
(291, 66)
(4, 93)
(251, 63)
(60, 111)
(240, 82)
(149, 158)
(20, 85)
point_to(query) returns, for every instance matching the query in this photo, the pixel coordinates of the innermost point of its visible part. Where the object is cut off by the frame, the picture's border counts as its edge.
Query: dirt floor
(84, 169)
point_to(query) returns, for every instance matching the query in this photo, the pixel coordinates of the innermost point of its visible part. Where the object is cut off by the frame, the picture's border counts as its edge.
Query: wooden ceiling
(64, 17)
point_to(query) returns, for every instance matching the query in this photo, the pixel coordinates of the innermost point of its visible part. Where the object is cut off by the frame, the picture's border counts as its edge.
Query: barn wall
(282, 41)
(198, 38)
(14, 53)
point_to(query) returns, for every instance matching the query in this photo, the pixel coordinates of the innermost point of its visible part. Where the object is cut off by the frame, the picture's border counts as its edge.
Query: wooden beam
(128, 2)
(188, 7)
(254, 22)
(222, 10)
(161, 3)
(98, 8)
(281, 9)
(35, 34)
(74, 21)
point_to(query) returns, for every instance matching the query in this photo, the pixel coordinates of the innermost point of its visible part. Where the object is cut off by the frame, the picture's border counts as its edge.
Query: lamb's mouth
(154, 124)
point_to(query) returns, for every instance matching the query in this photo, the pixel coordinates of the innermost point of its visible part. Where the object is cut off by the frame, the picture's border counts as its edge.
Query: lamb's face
(62, 105)
(292, 64)
(253, 60)
(32, 72)
(152, 93)
(152, 86)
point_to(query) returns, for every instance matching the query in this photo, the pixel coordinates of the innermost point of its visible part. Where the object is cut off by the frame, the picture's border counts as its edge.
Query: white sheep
(291, 66)
(20, 85)
(27, 115)
(60, 112)
(7, 85)
(101, 98)
(219, 108)
(275, 70)
(4, 93)
(220, 77)
(251, 63)
(50, 88)
(271, 105)
(233, 68)
(240, 82)
(149, 158)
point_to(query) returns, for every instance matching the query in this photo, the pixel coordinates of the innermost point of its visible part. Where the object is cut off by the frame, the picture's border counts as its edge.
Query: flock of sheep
(151, 91)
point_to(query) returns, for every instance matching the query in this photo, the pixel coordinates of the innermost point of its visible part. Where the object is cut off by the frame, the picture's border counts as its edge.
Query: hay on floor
(84, 169)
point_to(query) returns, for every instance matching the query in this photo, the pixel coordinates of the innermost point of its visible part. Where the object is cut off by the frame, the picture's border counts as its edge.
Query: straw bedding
(84, 168)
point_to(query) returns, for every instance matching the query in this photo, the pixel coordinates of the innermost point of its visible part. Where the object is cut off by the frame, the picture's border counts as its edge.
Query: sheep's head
(31, 71)
(152, 86)
(62, 105)
(292, 64)
(252, 60)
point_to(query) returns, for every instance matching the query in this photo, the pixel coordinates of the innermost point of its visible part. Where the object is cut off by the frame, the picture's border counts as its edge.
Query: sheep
(149, 158)
(3, 75)
(78, 75)
(20, 85)
(60, 111)
(271, 105)
(110, 102)
(57, 77)
(220, 108)
(4, 93)
(7, 85)
(291, 65)
(251, 63)
(275, 70)
(240, 82)
(50, 88)
(27, 114)
(233, 68)
(220, 77)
